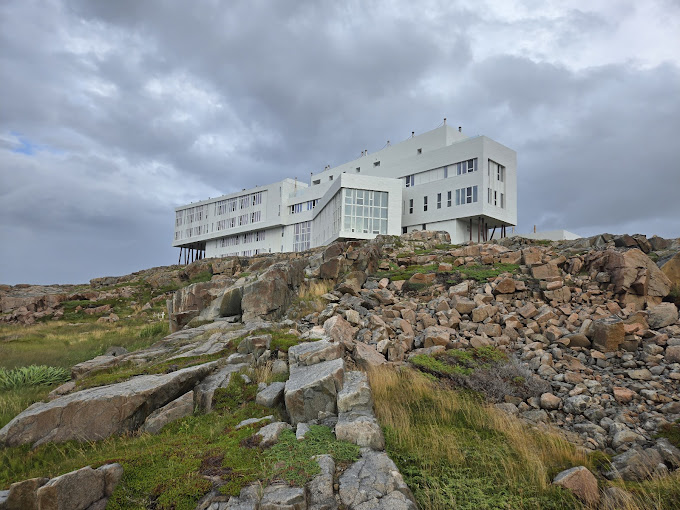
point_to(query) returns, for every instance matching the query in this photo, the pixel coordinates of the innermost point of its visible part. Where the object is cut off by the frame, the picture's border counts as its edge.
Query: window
(446, 172)
(502, 201)
(377, 163)
(330, 177)
(466, 195)
(425, 203)
(365, 211)
(410, 180)
(315, 182)
(488, 195)
(439, 200)
(465, 167)
(403, 230)
(302, 236)
(410, 206)
(420, 151)
(448, 199)
(495, 198)
(358, 169)
(496, 169)
(499, 173)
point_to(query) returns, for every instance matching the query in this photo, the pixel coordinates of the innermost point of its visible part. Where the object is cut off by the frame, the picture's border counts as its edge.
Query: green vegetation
(282, 340)
(33, 375)
(166, 471)
(202, 277)
(405, 274)
(457, 453)
(671, 431)
(458, 361)
(157, 330)
(484, 273)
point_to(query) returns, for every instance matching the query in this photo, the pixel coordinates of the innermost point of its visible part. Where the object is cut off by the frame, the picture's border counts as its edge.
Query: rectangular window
(425, 203)
(502, 201)
(448, 199)
(420, 151)
(377, 163)
(446, 172)
(410, 180)
(499, 173)
(439, 200)
(358, 169)
(365, 211)
(488, 195)
(495, 198)
(457, 197)
(410, 206)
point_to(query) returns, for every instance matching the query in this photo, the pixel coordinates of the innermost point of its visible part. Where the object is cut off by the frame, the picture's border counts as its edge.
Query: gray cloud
(131, 108)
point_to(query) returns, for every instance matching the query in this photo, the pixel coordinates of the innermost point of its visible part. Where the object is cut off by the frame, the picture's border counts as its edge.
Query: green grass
(671, 431)
(165, 471)
(33, 375)
(202, 277)
(484, 273)
(461, 362)
(12, 402)
(281, 340)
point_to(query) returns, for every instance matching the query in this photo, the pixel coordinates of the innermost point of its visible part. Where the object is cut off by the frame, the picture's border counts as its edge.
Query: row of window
(463, 196)
(460, 168)
(497, 170)
(243, 202)
(303, 206)
(189, 215)
(250, 237)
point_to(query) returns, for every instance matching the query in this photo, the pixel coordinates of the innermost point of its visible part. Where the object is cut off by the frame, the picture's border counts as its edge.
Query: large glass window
(303, 236)
(365, 211)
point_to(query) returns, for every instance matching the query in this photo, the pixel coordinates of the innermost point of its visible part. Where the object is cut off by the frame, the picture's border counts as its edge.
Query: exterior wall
(551, 235)
(290, 214)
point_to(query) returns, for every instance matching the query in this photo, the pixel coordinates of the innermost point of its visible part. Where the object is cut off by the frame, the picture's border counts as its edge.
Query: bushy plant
(33, 375)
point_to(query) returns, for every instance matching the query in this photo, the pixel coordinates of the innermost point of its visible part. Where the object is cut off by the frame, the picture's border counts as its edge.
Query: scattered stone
(178, 408)
(253, 421)
(360, 428)
(311, 390)
(283, 497)
(272, 395)
(269, 434)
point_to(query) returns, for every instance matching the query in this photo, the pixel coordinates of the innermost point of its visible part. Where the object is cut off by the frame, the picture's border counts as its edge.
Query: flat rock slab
(313, 389)
(269, 434)
(98, 413)
(320, 488)
(374, 482)
(311, 353)
(253, 421)
(581, 482)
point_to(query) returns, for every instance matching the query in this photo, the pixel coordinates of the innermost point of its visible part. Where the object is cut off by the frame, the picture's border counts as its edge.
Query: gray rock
(634, 465)
(283, 497)
(301, 431)
(76, 490)
(374, 482)
(98, 413)
(23, 494)
(231, 302)
(662, 315)
(320, 488)
(204, 392)
(577, 404)
(669, 453)
(178, 408)
(360, 428)
(311, 353)
(367, 357)
(616, 498)
(269, 434)
(253, 421)
(311, 390)
(112, 475)
(255, 345)
(272, 395)
(248, 499)
(355, 393)
(3, 499)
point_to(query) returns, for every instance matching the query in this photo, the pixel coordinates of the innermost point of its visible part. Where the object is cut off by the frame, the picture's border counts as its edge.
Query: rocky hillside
(580, 337)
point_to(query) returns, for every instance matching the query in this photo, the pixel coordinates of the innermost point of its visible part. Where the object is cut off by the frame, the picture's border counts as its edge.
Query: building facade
(440, 180)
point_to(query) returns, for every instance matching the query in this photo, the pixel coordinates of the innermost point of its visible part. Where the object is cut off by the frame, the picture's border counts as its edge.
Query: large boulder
(633, 273)
(320, 488)
(313, 389)
(339, 330)
(360, 428)
(374, 482)
(230, 304)
(662, 315)
(581, 482)
(269, 296)
(671, 269)
(283, 497)
(80, 489)
(635, 464)
(205, 391)
(98, 413)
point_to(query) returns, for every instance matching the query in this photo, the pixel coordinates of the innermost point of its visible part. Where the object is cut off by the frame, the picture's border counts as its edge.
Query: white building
(440, 180)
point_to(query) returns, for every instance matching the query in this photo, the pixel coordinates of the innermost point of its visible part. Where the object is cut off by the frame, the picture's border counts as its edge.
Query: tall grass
(457, 452)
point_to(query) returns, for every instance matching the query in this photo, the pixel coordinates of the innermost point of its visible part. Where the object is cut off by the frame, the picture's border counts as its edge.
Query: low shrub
(154, 330)
(33, 375)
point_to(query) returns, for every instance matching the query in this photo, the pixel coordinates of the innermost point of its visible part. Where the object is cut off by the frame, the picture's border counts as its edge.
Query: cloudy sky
(113, 113)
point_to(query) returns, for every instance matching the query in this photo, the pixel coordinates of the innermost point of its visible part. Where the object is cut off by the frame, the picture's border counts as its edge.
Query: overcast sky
(112, 113)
